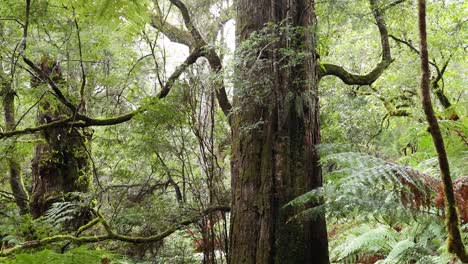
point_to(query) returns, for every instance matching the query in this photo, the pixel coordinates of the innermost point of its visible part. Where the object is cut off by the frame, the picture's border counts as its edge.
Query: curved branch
(200, 44)
(354, 79)
(187, 20)
(80, 120)
(111, 235)
(371, 77)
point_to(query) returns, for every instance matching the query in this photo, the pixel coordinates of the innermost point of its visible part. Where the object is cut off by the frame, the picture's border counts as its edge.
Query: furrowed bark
(275, 132)
(61, 162)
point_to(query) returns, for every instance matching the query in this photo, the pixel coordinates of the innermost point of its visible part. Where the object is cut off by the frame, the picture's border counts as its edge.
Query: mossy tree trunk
(455, 242)
(275, 129)
(16, 179)
(61, 162)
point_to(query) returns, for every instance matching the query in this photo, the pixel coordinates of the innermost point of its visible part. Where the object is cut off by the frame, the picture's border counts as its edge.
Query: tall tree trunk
(275, 129)
(61, 163)
(455, 243)
(16, 179)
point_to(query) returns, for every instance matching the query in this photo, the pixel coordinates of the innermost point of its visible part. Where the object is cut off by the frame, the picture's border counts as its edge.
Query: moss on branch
(111, 235)
(369, 78)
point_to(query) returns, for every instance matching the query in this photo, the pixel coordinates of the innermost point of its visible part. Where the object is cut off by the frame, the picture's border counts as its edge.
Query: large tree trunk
(275, 132)
(61, 162)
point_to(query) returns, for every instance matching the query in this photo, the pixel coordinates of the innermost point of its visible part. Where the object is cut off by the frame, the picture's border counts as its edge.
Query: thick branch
(196, 42)
(187, 20)
(371, 77)
(354, 79)
(215, 63)
(209, 53)
(172, 32)
(110, 234)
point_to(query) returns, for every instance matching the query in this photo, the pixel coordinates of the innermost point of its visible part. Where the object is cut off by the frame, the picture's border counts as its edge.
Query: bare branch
(434, 84)
(13, 19)
(191, 59)
(83, 73)
(51, 83)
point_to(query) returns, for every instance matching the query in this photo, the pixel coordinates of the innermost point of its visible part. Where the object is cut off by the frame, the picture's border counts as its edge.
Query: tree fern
(359, 182)
(388, 197)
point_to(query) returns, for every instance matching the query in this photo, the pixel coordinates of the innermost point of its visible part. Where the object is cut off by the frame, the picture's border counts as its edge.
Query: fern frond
(60, 212)
(373, 242)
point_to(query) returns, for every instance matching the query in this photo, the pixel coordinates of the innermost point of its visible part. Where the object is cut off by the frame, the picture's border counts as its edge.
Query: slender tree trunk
(61, 162)
(275, 129)
(16, 179)
(455, 243)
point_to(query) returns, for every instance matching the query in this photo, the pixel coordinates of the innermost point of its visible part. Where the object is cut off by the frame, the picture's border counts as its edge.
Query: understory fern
(76, 208)
(80, 255)
(362, 184)
(374, 242)
(61, 212)
(386, 210)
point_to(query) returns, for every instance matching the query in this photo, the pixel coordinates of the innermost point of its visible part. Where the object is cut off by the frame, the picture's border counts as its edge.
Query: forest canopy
(234, 131)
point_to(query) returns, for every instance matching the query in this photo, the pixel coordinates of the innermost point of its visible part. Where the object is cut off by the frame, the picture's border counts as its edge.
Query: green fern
(80, 255)
(373, 242)
(358, 183)
(61, 212)
(384, 195)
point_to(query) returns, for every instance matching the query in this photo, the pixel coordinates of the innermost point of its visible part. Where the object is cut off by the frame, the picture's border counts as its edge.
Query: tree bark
(455, 243)
(16, 180)
(61, 163)
(275, 130)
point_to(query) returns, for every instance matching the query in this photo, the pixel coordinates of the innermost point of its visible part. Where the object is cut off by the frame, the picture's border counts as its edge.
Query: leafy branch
(110, 234)
(434, 83)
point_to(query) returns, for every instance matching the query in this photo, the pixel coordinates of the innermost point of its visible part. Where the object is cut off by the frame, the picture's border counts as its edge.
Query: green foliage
(378, 210)
(377, 197)
(418, 243)
(61, 212)
(80, 255)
